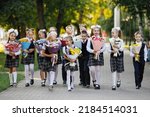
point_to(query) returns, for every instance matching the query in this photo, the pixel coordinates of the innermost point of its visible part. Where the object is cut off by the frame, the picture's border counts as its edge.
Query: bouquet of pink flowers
(97, 43)
(13, 47)
(53, 48)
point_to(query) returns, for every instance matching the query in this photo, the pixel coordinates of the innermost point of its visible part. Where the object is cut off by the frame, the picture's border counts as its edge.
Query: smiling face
(41, 35)
(114, 33)
(138, 37)
(69, 30)
(96, 31)
(12, 36)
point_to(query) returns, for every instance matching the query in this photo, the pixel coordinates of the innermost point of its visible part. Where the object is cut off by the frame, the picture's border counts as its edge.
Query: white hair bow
(95, 26)
(13, 30)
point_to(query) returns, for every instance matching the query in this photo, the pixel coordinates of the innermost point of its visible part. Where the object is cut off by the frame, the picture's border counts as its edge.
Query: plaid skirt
(94, 62)
(71, 68)
(47, 65)
(117, 64)
(10, 62)
(28, 60)
(40, 61)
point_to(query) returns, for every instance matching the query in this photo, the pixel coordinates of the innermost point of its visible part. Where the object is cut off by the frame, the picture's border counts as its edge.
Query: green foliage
(4, 80)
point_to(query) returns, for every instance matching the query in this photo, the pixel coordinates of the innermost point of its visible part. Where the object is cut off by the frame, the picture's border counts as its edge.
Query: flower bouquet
(39, 44)
(73, 54)
(136, 50)
(115, 45)
(53, 48)
(13, 47)
(97, 43)
(25, 46)
(1, 48)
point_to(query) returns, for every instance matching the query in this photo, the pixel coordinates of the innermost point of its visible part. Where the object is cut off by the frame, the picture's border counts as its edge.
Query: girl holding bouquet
(28, 60)
(139, 53)
(116, 57)
(39, 44)
(12, 51)
(50, 50)
(95, 47)
(70, 55)
(69, 32)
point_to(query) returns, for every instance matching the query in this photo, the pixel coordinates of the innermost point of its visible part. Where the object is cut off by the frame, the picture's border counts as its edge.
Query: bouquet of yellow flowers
(136, 50)
(1, 48)
(73, 54)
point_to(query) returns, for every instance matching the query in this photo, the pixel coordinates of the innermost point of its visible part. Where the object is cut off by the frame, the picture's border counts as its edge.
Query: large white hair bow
(12, 30)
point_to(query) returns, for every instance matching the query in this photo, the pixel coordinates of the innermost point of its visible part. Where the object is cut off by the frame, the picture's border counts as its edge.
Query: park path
(126, 91)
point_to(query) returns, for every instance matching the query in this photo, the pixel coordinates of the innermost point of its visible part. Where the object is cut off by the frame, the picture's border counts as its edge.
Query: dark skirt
(40, 61)
(94, 62)
(11, 62)
(71, 68)
(28, 60)
(117, 64)
(47, 65)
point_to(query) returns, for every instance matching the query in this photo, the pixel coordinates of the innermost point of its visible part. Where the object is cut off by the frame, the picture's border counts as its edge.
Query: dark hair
(44, 32)
(9, 35)
(84, 32)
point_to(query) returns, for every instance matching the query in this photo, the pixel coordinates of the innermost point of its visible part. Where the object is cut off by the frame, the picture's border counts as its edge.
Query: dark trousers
(138, 72)
(64, 74)
(84, 71)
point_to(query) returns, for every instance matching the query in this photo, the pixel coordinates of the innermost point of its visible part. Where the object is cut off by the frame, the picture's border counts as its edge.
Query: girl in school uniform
(116, 57)
(95, 63)
(139, 54)
(69, 32)
(70, 69)
(12, 57)
(28, 61)
(42, 36)
(49, 66)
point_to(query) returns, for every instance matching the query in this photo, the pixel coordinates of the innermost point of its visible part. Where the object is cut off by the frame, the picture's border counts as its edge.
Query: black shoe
(45, 80)
(11, 85)
(55, 83)
(27, 85)
(32, 81)
(64, 82)
(118, 84)
(113, 87)
(80, 83)
(97, 86)
(94, 81)
(138, 87)
(87, 86)
(42, 84)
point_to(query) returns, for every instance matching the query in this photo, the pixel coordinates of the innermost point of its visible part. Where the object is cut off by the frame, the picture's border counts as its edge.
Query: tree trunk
(21, 31)
(40, 14)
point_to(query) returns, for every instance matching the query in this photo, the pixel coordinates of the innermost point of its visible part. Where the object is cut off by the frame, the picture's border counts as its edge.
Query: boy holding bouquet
(12, 51)
(139, 53)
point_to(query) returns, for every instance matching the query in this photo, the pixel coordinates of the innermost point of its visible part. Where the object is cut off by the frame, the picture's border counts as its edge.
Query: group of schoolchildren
(89, 59)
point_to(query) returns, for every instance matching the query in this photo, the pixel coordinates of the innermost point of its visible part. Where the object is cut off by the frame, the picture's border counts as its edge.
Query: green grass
(21, 66)
(4, 80)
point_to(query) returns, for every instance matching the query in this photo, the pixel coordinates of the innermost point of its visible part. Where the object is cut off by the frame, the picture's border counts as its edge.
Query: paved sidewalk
(126, 91)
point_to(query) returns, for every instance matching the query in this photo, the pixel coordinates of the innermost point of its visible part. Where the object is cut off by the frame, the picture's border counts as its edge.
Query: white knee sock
(15, 77)
(10, 78)
(31, 66)
(114, 78)
(92, 72)
(51, 77)
(72, 76)
(26, 67)
(68, 79)
(118, 76)
(97, 74)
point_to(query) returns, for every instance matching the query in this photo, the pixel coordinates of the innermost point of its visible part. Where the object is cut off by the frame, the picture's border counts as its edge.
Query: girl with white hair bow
(12, 51)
